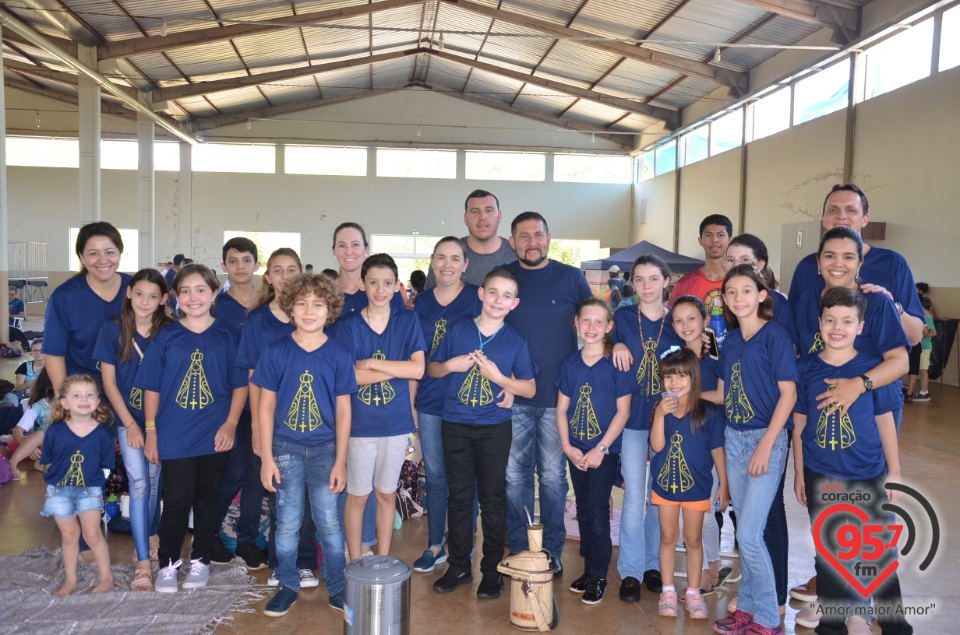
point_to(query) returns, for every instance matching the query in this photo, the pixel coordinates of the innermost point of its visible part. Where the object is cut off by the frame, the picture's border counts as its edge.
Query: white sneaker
(809, 617)
(197, 576)
(273, 580)
(307, 579)
(167, 581)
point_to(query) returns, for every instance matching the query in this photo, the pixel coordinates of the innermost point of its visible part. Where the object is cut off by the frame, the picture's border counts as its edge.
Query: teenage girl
(593, 404)
(687, 435)
(643, 332)
(29, 431)
(120, 349)
(758, 381)
(79, 447)
(192, 399)
(27, 372)
(438, 307)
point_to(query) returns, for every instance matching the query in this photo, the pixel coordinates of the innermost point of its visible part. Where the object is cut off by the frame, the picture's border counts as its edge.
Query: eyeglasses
(732, 262)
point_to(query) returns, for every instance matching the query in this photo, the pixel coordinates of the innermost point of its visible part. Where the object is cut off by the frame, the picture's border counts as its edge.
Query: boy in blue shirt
(306, 381)
(387, 346)
(482, 356)
(846, 451)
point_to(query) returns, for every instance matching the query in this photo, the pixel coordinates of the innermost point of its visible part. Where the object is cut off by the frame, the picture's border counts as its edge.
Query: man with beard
(549, 293)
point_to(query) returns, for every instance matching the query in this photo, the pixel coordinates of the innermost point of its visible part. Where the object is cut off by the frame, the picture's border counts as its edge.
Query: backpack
(6, 471)
(409, 503)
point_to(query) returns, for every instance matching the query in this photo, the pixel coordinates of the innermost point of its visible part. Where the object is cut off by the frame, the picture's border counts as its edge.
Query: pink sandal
(667, 607)
(696, 606)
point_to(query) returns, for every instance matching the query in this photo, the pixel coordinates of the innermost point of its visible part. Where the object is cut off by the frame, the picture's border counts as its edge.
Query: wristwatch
(603, 449)
(899, 308)
(867, 382)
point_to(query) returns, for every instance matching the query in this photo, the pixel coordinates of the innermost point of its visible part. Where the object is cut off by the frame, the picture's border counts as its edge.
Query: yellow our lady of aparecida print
(649, 369)
(378, 394)
(737, 405)
(194, 393)
(817, 345)
(835, 429)
(675, 474)
(439, 330)
(304, 412)
(475, 389)
(583, 423)
(74, 476)
(136, 398)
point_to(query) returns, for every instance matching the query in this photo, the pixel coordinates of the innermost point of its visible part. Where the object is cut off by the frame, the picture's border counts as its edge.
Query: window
(726, 132)
(646, 166)
(266, 242)
(694, 145)
(43, 152)
(119, 155)
(166, 156)
(506, 166)
(128, 260)
(409, 251)
(950, 39)
(823, 92)
(771, 114)
(325, 161)
(666, 158)
(899, 60)
(423, 164)
(585, 168)
(222, 157)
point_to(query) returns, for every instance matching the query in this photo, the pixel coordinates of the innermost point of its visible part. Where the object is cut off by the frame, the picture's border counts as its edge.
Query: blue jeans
(305, 468)
(752, 497)
(143, 480)
(639, 522)
(536, 446)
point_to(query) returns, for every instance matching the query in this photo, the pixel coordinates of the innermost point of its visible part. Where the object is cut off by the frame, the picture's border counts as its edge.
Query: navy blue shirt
(381, 409)
(434, 320)
(751, 370)
(72, 323)
(77, 461)
(228, 310)
(354, 302)
(470, 397)
(593, 392)
(709, 373)
(307, 384)
(107, 351)
(845, 445)
(783, 315)
(261, 329)
(195, 375)
(658, 337)
(549, 298)
(683, 470)
(882, 328)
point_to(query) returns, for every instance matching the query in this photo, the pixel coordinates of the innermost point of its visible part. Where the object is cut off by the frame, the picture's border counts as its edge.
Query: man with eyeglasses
(705, 282)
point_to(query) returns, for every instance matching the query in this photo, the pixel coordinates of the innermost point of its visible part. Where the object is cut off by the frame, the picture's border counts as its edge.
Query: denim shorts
(71, 501)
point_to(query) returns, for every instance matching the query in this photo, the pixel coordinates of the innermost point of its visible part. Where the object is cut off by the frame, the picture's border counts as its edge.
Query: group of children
(337, 382)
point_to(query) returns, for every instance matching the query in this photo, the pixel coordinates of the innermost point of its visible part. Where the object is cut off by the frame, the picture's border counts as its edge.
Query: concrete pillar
(89, 100)
(185, 211)
(145, 191)
(4, 234)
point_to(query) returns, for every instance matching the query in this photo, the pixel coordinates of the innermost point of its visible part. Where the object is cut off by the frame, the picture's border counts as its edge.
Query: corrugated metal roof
(577, 64)
(291, 90)
(408, 17)
(559, 11)
(705, 21)
(623, 18)
(216, 60)
(181, 15)
(446, 74)
(779, 30)
(238, 99)
(451, 18)
(633, 123)
(686, 92)
(536, 97)
(492, 86)
(634, 79)
(594, 113)
(271, 49)
(331, 43)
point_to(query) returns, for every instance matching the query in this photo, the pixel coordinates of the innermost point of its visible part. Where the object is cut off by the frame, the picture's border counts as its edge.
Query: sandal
(696, 606)
(667, 607)
(717, 582)
(142, 580)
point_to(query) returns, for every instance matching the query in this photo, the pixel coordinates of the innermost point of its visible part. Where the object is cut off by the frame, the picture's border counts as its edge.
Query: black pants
(192, 482)
(242, 474)
(592, 489)
(476, 461)
(832, 589)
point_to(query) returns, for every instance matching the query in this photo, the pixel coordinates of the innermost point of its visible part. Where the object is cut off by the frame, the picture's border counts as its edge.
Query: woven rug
(27, 606)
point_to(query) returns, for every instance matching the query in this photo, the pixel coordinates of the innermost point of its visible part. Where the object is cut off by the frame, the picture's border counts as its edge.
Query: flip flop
(722, 575)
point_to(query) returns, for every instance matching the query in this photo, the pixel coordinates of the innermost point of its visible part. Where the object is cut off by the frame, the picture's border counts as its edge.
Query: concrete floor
(929, 449)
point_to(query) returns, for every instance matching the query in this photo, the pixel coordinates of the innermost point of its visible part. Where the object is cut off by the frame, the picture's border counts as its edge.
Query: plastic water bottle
(718, 325)
(111, 510)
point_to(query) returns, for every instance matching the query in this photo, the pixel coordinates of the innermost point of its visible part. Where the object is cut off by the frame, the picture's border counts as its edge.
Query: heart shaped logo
(867, 591)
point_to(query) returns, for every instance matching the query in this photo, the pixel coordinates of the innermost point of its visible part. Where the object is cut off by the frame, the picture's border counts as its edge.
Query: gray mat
(27, 606)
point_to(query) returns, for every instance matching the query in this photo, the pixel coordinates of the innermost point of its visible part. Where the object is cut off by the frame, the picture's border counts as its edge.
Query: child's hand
(150, 451)
(841, 396)
(592, 459)
(338, 478)
(723, 497)
(36, 455)
(135, 436)
(892, 494)
(666, 405)
(507, 401)
(460, 363)
(760, 461)
(575, 456)
(269, 474)
(800, 489)
(622, 358)
(364, 364)
(487, 368)
(256, 444)
(223, 442)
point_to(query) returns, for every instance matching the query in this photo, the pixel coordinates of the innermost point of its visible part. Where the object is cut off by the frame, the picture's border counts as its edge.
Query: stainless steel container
(376, 597)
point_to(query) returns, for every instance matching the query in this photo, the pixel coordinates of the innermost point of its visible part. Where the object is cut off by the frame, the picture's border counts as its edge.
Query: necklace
(640, 322)
(484, 342)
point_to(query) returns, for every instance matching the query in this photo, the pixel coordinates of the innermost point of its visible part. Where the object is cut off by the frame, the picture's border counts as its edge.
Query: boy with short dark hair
(482, 356)
(850, 451)
(388, 349)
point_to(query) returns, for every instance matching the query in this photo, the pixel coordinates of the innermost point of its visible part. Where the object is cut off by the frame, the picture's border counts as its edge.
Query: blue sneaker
(336, 602)
(280, 603)
(428, 561)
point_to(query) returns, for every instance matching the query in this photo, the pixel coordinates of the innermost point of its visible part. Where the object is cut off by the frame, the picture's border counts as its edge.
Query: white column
(185, 211)
(4, 256)
(89, 99)
(145, 191)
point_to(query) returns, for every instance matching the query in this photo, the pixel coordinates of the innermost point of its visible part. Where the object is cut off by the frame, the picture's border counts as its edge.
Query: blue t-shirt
(658, 337)
(783, 315)
(709, 373)
(470, 397)
(195, 375)
(72, 323)
(683, 469)
(880, 266)
(882, 328)
(77, 461)
(845, 445)
(751, 370)
(593, 392)
(382, 409)
(15, 306)
(228, 310)
(549, 298)
(434, 320)
(354, 302)
(307, 385)
(107, 351)
(261, 329)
